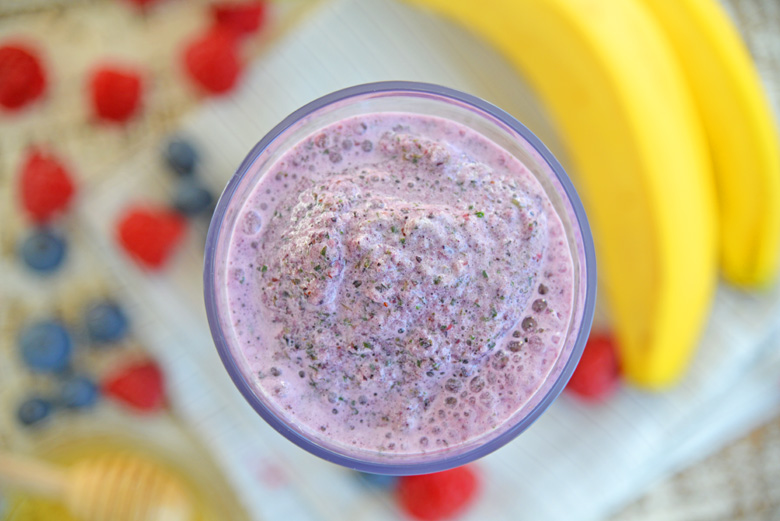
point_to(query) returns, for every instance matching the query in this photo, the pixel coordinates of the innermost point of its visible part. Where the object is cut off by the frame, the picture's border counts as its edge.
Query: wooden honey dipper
(114, 487)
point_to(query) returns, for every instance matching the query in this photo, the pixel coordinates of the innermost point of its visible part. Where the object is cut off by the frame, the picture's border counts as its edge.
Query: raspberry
(242, 17)
(598, 372)
(212, 62)
(150, 235)
(45, 186)
(116, 93)
(22, 79)
(431, 497)
(139, 385)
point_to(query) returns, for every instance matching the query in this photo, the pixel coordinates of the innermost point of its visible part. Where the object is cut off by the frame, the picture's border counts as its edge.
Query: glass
(428, 100)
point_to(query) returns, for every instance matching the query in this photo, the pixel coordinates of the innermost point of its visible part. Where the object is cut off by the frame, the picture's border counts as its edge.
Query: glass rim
(231, 364)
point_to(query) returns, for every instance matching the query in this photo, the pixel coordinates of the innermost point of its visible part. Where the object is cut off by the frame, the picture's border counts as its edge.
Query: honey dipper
(113, 487)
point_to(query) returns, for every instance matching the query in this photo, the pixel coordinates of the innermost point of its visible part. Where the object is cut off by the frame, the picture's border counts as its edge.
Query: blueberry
(43, 251)
(45, 346)
(106, 322)
(181, 156)
(33, 410)
(191, 198)
(78, 392)
(377, 480)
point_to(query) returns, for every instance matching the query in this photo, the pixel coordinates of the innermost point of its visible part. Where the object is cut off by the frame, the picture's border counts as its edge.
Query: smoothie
(398, 284)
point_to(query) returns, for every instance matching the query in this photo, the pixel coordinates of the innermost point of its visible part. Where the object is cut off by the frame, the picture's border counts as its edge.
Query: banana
(610, 80)
(742, 136)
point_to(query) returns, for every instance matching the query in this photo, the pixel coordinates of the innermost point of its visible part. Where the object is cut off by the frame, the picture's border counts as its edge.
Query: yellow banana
(741, 131)
(610, 80)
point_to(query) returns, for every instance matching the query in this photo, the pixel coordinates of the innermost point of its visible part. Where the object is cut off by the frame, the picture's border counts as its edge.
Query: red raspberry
(242, 17)
(116, 93)
(22, 79)
(598, 372)
(212, 60)
(139, 385)
(150, 235)
(45, 186)
(431, 497)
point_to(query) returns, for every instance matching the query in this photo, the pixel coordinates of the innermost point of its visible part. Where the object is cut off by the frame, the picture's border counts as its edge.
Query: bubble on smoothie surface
(251, 222)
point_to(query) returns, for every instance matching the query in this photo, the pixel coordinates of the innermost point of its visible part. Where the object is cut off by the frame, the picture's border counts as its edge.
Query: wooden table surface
(740, 482)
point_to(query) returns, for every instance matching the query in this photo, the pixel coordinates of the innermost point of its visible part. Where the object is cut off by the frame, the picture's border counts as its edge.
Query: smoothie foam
(398, 283)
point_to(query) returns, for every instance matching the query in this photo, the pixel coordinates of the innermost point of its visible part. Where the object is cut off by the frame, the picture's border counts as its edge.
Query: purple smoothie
(398, 283)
